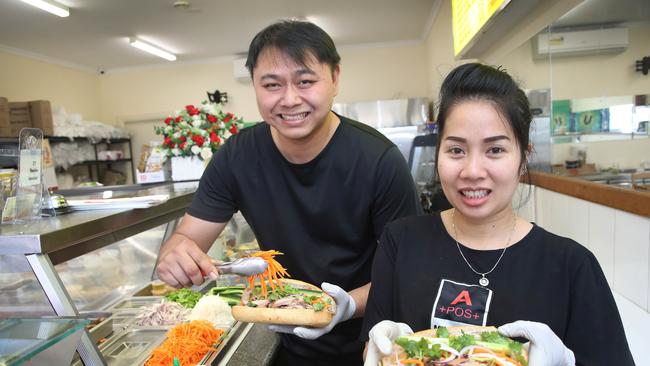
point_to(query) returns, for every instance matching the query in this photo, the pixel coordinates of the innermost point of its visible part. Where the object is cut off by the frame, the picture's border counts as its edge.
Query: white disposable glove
(345, 308)
(546, 349)
(381, 337)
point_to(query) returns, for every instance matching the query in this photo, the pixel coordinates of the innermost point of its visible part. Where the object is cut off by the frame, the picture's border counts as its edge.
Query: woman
(479, 263)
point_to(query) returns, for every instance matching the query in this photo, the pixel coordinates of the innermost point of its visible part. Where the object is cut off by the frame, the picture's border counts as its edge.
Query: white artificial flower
(168, 130)
(222, 125)
(183, 125)
(177, 135)
(176, 151)
(226, 134)
(204, 133)
(197, 122)
(206, 153)
(196, 150)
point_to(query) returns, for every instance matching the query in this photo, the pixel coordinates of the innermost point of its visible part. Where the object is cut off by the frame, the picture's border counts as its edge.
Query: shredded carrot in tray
(274, 271)
(188, 342)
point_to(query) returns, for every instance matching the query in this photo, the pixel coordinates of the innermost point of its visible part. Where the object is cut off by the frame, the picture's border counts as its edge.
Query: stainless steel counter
(74, 234)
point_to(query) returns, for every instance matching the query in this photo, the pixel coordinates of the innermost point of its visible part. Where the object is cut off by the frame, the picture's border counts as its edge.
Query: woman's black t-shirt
(419, 278)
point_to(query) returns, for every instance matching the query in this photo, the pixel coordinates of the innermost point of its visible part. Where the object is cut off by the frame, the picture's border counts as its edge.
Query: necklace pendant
(483, 281)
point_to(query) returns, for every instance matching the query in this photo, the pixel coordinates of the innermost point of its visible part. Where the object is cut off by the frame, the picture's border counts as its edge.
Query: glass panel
(22, 339)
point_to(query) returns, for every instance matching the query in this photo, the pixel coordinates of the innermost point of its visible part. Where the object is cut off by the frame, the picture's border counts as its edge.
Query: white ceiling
(612, 12)
(95, 35)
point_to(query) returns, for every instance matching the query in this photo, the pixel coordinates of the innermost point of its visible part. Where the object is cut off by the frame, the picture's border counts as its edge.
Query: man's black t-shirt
(326, 215)
(419, 278)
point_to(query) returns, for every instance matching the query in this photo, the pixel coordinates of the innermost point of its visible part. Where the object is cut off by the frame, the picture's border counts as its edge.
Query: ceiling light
(49, 6)
(152, 49)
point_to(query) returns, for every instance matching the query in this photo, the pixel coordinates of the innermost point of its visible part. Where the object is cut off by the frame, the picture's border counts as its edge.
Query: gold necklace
(483, 281)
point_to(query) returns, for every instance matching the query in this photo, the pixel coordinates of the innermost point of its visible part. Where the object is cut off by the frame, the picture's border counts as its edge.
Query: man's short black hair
(297, 39)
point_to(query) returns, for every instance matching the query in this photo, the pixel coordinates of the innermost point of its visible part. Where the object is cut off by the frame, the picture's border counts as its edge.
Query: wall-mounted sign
(469, 17)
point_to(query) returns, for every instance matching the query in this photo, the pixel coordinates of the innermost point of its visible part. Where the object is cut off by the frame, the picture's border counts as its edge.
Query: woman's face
(479, 158)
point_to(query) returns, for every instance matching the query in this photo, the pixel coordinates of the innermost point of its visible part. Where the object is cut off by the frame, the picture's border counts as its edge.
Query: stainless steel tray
(132, 346)
(102, 329)
(136, 302)
(123, 319)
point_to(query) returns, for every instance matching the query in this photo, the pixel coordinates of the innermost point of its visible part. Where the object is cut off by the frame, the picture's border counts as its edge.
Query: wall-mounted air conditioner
(580, 42)
(239, 70)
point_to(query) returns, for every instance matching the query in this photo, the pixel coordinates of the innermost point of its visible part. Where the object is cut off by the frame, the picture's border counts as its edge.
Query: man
(314, 185)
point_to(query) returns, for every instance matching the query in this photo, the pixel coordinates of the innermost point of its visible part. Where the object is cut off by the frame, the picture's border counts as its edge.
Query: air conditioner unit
(239, 70)
(580, 42)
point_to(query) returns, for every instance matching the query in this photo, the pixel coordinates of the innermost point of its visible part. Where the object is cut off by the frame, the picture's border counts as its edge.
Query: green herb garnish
(185, 297)
(461, 341)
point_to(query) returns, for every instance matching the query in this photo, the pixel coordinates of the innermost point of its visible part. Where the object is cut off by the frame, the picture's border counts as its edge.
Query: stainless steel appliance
(397, 119)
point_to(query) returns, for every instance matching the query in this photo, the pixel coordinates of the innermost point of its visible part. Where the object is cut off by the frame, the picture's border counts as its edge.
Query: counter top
(257, 348)
(634, 201)
(70, 235)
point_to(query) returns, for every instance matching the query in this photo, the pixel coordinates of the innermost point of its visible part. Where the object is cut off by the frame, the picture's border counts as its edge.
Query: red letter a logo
(462, 297)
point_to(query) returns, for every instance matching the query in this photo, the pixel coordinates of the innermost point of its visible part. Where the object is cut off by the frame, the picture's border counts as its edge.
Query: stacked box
(4, 117)
(19, 117)
(41, 116)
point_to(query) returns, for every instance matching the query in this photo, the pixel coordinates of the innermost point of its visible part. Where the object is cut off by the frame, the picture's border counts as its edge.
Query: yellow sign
(469, 16)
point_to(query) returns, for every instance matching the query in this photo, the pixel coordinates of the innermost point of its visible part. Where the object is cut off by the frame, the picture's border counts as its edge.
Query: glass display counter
(87, 263)
(86, 259)
(39, 341)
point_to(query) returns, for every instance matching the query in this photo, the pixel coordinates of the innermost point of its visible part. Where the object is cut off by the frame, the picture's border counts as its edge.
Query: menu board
(469, 17)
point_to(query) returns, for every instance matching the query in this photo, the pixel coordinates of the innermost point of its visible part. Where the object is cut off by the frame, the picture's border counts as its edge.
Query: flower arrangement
(197, 131)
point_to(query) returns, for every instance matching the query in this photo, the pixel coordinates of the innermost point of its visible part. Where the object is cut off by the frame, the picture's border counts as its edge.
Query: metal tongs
(247, 266)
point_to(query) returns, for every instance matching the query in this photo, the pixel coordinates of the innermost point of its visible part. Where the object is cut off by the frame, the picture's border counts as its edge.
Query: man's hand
(381, 337)
(182, 263)
(546, 349)
(345, 307)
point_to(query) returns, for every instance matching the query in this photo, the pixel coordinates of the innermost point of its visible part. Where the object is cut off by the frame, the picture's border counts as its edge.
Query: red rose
(198, 140)
(233, 129)
(214, 138)
(189, 107)
(182, 145)
(168, 120)
(179, 118)
(167, 141)
(212, 118)
(227, 118)
(183, 138)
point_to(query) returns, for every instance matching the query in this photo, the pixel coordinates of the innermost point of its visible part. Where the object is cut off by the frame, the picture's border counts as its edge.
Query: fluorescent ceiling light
(152, 49)
(49, 6)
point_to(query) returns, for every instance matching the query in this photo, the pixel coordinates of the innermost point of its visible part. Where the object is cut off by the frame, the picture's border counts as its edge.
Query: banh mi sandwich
(273, 299)
(466, 346)
(285, 301)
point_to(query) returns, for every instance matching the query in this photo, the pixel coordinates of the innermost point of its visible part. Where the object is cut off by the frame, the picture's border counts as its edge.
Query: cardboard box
(5, 132)
(41, 116)
(19, 116)
(4, 112)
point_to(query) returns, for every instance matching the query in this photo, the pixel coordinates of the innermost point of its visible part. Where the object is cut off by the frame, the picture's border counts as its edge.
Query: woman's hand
(381, 339)
(546, 349)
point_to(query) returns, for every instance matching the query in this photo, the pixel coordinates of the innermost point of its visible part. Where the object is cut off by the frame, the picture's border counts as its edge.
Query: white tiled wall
(620, 241)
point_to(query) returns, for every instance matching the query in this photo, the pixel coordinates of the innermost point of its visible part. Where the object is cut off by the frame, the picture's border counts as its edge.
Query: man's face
(294, 99)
